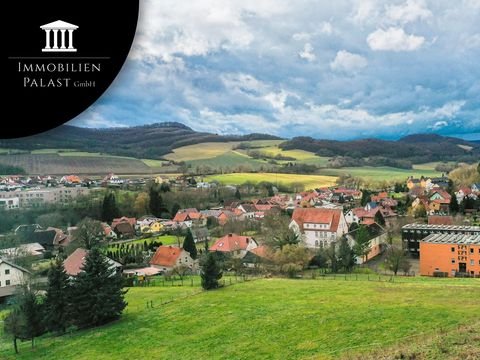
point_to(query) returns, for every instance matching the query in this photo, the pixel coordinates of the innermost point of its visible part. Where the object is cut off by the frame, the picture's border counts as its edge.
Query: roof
(59, 24)
(440, 220)
(453, 239)
(166, 256)
(2, 260)
(232, 242)
(374, 230)
(74, 263)
(32, 249)
(417, 226)
(260, 251)
(123, 219)
(124, 228)
(44, 237)
(317, 216)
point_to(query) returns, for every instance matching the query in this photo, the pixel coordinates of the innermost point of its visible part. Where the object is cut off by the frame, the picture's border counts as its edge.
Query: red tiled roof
(260, 251)
(440, 220)
(166, 256)
(317, 216)
(231, 242)
(131, 221)
(73, 264)
(183, 215)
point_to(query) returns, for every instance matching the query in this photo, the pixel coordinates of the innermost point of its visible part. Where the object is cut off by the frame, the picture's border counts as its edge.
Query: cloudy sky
(329, 69)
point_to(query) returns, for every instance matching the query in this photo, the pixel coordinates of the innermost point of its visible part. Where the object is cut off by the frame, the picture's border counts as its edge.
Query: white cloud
(307, 53)
(365, 11)
(439, 124)
(394, 39)
(473, 3)
(346, 61)
(169, 27)
(96, 119)
(410, 11)
(326, 28)
(472, 42)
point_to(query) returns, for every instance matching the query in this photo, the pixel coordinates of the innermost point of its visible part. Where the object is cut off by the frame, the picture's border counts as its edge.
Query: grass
(273, 319)
(384, 173)
(201, 151)
(153, 163)
(50, 151)
(309, 181)
(231, 159)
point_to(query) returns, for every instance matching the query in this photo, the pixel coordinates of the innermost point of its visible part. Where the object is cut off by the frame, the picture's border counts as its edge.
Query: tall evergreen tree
(97, 294)
(211, 272)
(57, 298)
(346, 256)
(189, 244)
(175, 209)
(238, 196)
(109, 207)
(157, 207)
(366, 198)
(454, 207)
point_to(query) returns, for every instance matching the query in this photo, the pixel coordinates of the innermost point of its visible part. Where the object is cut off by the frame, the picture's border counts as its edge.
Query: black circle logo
(61, 57)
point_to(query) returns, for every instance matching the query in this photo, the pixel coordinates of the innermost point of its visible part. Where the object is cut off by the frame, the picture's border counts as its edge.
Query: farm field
(281, 319)
(78, 163)
(201, 151)
(380, 173)
(309, 181)
(230, 160)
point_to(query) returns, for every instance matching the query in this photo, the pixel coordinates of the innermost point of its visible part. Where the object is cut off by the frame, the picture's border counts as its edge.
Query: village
(423, 227)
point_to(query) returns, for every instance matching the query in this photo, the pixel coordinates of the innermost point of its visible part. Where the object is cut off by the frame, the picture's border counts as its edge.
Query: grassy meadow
(309, 181)
(277, 319)
(383, 173)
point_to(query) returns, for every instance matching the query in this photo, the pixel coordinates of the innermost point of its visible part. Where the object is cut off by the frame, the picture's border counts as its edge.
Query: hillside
(414, 149)
(148, 141)
(282, 319)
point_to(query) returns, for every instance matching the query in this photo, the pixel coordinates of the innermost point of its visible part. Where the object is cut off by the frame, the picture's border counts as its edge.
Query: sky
(340, 69)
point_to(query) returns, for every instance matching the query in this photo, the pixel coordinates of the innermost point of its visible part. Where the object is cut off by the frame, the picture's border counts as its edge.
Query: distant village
(248, 231)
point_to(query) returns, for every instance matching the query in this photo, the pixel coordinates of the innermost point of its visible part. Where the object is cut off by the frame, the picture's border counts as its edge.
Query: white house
(235, 245)
(10, 203)
(319, 227)
(11, 274)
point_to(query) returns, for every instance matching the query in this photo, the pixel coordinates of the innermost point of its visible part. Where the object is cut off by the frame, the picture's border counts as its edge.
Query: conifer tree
(97, 294)
(57, 299)
(189, 244)
(211, 272)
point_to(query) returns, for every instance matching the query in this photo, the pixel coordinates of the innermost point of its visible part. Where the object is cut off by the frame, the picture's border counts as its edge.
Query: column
(70, 39)
(47, 42)
(55, 38)
(63, 39)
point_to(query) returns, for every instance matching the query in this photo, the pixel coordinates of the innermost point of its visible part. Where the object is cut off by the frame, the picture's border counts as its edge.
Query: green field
(230, 160)
(380, 173)
(276, 319)
(309, 181)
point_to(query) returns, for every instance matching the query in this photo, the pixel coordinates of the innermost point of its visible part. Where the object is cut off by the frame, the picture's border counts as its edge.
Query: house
(377, 236)
(319, 227)
(412, 234)
(11, 274)
(440, 220)
(247, 211)
(168, 257)
(33, 249)
(450, 255)
(124, 226)
(235, 245)
(187, 217)
(221, 216)
(368, 217)
(74, 263)
(465, 192)
(256, 256)
(108, 231)
(412, 183)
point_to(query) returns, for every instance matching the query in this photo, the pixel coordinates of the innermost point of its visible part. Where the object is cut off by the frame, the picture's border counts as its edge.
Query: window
(7, 271)
(471, 250)
(7, 282)
(453, 261)
(316, 243)
(453, 249)
(472, 262)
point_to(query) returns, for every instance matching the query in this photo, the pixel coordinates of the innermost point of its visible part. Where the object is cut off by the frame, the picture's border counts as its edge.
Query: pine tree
(97, 294)
(210, 273)
(189, 244)
(346, 257)
(57, 298)
(366, 198)
(157, 207)
(109, 208)
(175, 209)
(14, 325)
(454, 207)
(238, 196)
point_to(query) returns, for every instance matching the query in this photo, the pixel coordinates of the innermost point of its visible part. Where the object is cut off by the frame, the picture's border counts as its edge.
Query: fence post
(191, 281)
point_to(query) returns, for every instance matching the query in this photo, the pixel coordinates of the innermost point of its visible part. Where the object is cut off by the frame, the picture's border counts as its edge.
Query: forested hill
(420, 148)
(148, 141)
